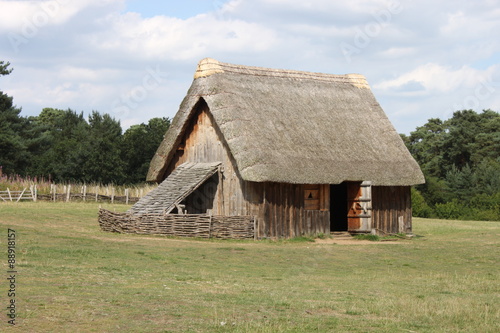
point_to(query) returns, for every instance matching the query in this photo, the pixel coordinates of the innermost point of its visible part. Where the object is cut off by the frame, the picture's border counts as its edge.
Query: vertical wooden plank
(276, 209)
(281, 209)
(296, 210)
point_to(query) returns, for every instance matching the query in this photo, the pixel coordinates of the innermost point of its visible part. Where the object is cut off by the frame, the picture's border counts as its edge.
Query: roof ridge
(209, 66)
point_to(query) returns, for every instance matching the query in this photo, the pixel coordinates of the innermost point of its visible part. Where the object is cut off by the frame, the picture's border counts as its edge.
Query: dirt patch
(353, 241)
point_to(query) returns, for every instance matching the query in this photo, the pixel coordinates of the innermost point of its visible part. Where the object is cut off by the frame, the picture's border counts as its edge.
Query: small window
(311, 197)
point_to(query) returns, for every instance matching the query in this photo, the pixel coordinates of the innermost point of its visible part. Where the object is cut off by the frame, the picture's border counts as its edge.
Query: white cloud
(21, 16)
(165, 37)
(425, 56)
(435, 78)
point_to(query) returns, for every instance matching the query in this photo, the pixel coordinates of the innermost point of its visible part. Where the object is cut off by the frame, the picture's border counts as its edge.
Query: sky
(135, 59)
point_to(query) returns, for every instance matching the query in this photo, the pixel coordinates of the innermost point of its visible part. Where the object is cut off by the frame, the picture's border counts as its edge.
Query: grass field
(74, 278)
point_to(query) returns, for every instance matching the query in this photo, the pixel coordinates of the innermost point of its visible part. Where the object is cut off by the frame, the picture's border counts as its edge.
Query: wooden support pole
(8, 191)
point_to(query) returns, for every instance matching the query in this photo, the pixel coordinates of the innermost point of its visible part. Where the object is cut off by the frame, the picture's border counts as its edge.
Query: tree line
(460, 158)
(64, 146)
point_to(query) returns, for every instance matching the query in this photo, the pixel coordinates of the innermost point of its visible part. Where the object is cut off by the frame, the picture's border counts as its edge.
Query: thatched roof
(185, 179)
(294, 127)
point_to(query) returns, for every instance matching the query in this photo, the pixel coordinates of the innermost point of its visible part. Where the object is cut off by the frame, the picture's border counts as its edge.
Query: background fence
(74, 193)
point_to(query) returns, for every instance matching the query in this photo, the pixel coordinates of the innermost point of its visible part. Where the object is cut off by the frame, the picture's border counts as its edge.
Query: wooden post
(35, 198)
(112, 195)
(254, 228)
(84, 192)
(126, 196)
(8, 191)
(210, 225)
(21, 195)
(68, 195)
(220, 207)
(96, 192)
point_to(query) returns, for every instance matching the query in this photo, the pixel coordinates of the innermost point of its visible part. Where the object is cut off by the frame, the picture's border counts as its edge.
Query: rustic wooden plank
(311, 204)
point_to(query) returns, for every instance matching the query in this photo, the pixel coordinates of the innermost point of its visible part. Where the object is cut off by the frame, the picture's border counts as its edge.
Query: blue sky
(135, 59)
(181, 9)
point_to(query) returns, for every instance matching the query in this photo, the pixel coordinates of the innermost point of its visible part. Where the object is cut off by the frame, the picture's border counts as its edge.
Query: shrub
(451, 210)
(420, 208)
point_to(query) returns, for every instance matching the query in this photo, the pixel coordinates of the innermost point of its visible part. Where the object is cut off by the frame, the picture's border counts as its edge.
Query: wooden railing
(25, 194)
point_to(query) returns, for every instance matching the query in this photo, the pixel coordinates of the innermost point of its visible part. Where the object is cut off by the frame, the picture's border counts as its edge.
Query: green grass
(74, 278)
(370, 237)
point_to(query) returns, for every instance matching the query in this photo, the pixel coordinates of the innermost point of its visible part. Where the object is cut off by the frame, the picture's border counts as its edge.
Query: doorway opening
(338, 207)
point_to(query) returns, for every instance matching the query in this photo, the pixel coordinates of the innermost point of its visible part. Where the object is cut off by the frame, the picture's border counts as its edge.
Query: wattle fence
(179, 225)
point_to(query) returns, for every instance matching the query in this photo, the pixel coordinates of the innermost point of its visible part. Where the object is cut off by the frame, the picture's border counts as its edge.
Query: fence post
(8, 191)
(84, 189)
(126, 196)
(96, 192)
(68, 194)
(112, 194)
(35, 198)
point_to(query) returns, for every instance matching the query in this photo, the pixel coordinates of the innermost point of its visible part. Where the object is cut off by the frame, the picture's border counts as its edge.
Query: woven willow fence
(187, 225)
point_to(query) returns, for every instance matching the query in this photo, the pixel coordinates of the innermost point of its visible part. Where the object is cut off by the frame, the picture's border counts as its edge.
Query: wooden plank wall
(202, 143)
(391, 209)
(282, 213)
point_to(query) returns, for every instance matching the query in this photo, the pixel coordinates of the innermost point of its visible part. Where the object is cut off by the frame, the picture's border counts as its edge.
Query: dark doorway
(202, 199)
(338, 207)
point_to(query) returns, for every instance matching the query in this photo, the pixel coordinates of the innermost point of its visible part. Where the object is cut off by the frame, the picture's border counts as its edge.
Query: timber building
(304, 153)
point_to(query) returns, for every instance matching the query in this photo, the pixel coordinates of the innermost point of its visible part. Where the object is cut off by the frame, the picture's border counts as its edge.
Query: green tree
(4, 68)
(426, 146)
(460, 158)
(139, 146)
(13, 154)
(66, 137)
(104, 163)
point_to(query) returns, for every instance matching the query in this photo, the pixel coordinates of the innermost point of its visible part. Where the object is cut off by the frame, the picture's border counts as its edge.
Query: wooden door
(359, 206)
(354, 208)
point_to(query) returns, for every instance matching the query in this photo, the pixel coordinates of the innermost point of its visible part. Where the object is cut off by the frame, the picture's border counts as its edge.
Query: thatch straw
(295, 127)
